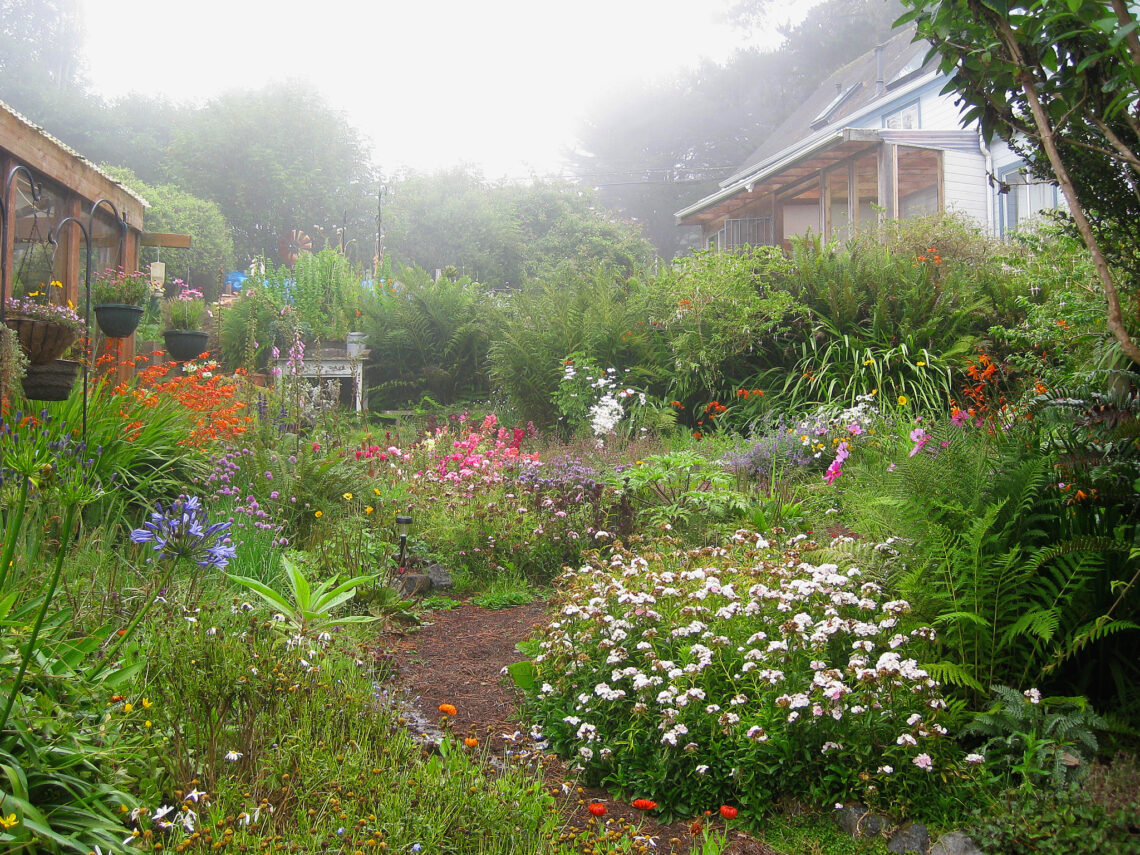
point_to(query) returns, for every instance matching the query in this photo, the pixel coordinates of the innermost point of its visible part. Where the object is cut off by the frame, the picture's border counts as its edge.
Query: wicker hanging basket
(42, 341)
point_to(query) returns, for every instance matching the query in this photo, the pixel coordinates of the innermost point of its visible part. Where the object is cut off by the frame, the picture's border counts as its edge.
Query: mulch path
(458, 658)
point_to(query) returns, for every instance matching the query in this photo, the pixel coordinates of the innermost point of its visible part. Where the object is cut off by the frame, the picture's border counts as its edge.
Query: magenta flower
(919, 437)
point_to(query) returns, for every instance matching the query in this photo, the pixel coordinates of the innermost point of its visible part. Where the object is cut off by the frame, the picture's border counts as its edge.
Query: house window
(904, 119)
(1025, 198)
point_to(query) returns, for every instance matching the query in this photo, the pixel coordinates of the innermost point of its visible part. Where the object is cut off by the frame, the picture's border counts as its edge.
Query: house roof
(889, 73)
(68, 154)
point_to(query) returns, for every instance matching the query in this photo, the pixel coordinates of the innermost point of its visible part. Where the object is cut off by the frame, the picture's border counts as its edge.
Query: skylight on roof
(824, 115)
(910, 67)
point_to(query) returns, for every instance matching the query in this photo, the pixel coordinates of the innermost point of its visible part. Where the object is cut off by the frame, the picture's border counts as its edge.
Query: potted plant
(119, 297)
(185, 314)
(45, 330)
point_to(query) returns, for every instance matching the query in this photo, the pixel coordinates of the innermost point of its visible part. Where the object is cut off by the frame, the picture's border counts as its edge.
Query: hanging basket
(42, 341)
(185, 344)
(118, 320)
(50, 381)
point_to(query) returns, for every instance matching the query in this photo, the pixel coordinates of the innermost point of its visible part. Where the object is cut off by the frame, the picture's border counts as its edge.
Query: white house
(876, 139)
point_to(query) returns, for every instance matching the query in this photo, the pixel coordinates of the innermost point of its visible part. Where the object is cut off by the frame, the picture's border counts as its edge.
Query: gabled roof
(849, 91)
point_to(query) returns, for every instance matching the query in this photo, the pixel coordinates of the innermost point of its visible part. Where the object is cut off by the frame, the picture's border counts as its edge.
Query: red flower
(728, 811)
(644, 804)
(597, 809)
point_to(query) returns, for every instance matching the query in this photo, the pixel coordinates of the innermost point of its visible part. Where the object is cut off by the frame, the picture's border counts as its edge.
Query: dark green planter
(118, 320)
(50, 381)
(184, 345)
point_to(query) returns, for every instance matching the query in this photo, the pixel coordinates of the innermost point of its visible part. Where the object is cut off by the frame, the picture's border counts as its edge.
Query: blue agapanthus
(184, 532)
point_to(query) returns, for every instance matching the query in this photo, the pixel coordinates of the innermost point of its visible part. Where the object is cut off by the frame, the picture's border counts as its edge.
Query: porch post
(889, 180)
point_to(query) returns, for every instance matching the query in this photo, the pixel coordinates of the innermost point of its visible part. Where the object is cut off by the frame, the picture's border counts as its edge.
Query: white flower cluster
(710, 654)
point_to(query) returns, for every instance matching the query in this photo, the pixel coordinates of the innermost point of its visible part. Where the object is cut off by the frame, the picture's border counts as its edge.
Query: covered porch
(845, 181)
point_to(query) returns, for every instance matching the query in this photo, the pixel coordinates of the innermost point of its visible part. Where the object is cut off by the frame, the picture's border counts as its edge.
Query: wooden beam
(164, 239)
(49, 159)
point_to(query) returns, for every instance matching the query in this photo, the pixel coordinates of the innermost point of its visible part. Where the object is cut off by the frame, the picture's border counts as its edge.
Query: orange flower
(470, 741)
(597, 809)
(448, 709)
(644, 804)
(728, 811)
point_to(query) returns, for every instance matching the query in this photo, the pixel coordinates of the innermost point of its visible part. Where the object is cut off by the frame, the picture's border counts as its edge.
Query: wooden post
(889, 180)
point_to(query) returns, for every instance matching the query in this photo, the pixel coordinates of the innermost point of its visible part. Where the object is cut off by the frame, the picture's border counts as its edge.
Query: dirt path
(457, 659)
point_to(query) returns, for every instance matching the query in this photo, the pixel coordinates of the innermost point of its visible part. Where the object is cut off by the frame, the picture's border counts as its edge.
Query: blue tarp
(235, 278)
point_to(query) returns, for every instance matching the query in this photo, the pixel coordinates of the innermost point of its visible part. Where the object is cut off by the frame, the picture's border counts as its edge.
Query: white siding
(965, 188)
(939, 112)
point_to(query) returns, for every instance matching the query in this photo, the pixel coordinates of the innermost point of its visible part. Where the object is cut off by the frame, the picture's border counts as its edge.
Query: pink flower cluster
(836, 467)
(483, 451)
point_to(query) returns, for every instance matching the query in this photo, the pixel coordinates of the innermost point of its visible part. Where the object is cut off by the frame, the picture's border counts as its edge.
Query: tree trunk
(1045, 130)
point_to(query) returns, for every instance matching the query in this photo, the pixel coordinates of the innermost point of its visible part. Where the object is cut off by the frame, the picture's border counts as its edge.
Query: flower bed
(736, 674)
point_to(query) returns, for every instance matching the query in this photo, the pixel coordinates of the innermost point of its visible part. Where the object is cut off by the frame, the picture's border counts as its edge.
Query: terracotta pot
(51, 381)
(118, 320)
(42, 341)
(183, 345)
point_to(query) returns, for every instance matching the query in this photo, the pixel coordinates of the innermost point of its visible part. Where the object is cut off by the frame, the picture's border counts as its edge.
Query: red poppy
(728, 811)
(597, 809)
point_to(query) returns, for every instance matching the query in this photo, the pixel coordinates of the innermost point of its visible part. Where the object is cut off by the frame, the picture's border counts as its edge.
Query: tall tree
(502, 234)
(277, 160)
(41, 42)
(1062, 77)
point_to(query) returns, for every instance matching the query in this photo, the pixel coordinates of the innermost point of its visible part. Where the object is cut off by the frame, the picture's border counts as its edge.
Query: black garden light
(403, 526)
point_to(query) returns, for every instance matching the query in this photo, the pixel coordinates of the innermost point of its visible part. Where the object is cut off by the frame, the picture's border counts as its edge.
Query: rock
(440, 578)
(912, 837)
(857, 821)
(413, 584)
(849, 816)
(955, 843)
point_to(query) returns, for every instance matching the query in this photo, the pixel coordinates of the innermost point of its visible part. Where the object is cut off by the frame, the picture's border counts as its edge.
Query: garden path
(457, 659)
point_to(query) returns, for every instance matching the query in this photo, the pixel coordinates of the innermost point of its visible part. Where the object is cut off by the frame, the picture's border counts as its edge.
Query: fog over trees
(281, 158)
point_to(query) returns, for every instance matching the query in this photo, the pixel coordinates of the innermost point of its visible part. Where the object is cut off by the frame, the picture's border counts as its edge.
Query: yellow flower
(146, 723)
(868, 361)
(318, 514)
(8, 821)
(71, 305)
(55, 283)
(376, 490)
(369, 509)
(35, 293)
(921, 363)
(147, 703)
(348, 497)
(128, 707)
(902, 400)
